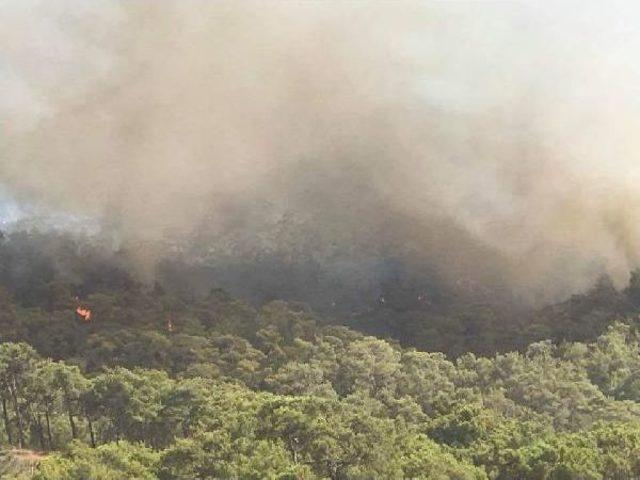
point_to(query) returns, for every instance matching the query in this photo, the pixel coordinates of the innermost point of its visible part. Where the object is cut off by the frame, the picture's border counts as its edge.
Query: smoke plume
(485, 142)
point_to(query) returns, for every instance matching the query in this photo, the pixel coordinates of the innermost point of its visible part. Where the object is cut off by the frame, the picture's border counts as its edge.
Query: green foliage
(167, 386)
(113, 461)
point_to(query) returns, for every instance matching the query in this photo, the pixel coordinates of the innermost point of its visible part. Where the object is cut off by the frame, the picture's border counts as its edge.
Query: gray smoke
(485, 141)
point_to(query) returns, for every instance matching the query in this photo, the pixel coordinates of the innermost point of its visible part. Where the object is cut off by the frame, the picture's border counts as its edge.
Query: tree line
(170, 385)
(298, 399)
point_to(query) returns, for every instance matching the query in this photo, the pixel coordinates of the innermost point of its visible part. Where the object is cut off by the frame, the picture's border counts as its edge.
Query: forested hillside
(319, 240)
(103, 377)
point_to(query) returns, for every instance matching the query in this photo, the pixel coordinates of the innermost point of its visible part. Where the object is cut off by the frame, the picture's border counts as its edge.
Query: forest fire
(84, 313)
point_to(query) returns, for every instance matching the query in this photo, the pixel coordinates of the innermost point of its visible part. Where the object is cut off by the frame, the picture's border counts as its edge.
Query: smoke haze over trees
(319, 240)
(164, 383)
(489, 143)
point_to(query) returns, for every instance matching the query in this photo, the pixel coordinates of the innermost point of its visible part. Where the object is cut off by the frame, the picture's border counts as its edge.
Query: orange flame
(84, 313)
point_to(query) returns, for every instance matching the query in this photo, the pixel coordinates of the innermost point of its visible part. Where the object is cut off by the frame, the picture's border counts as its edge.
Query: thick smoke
(477, 142)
